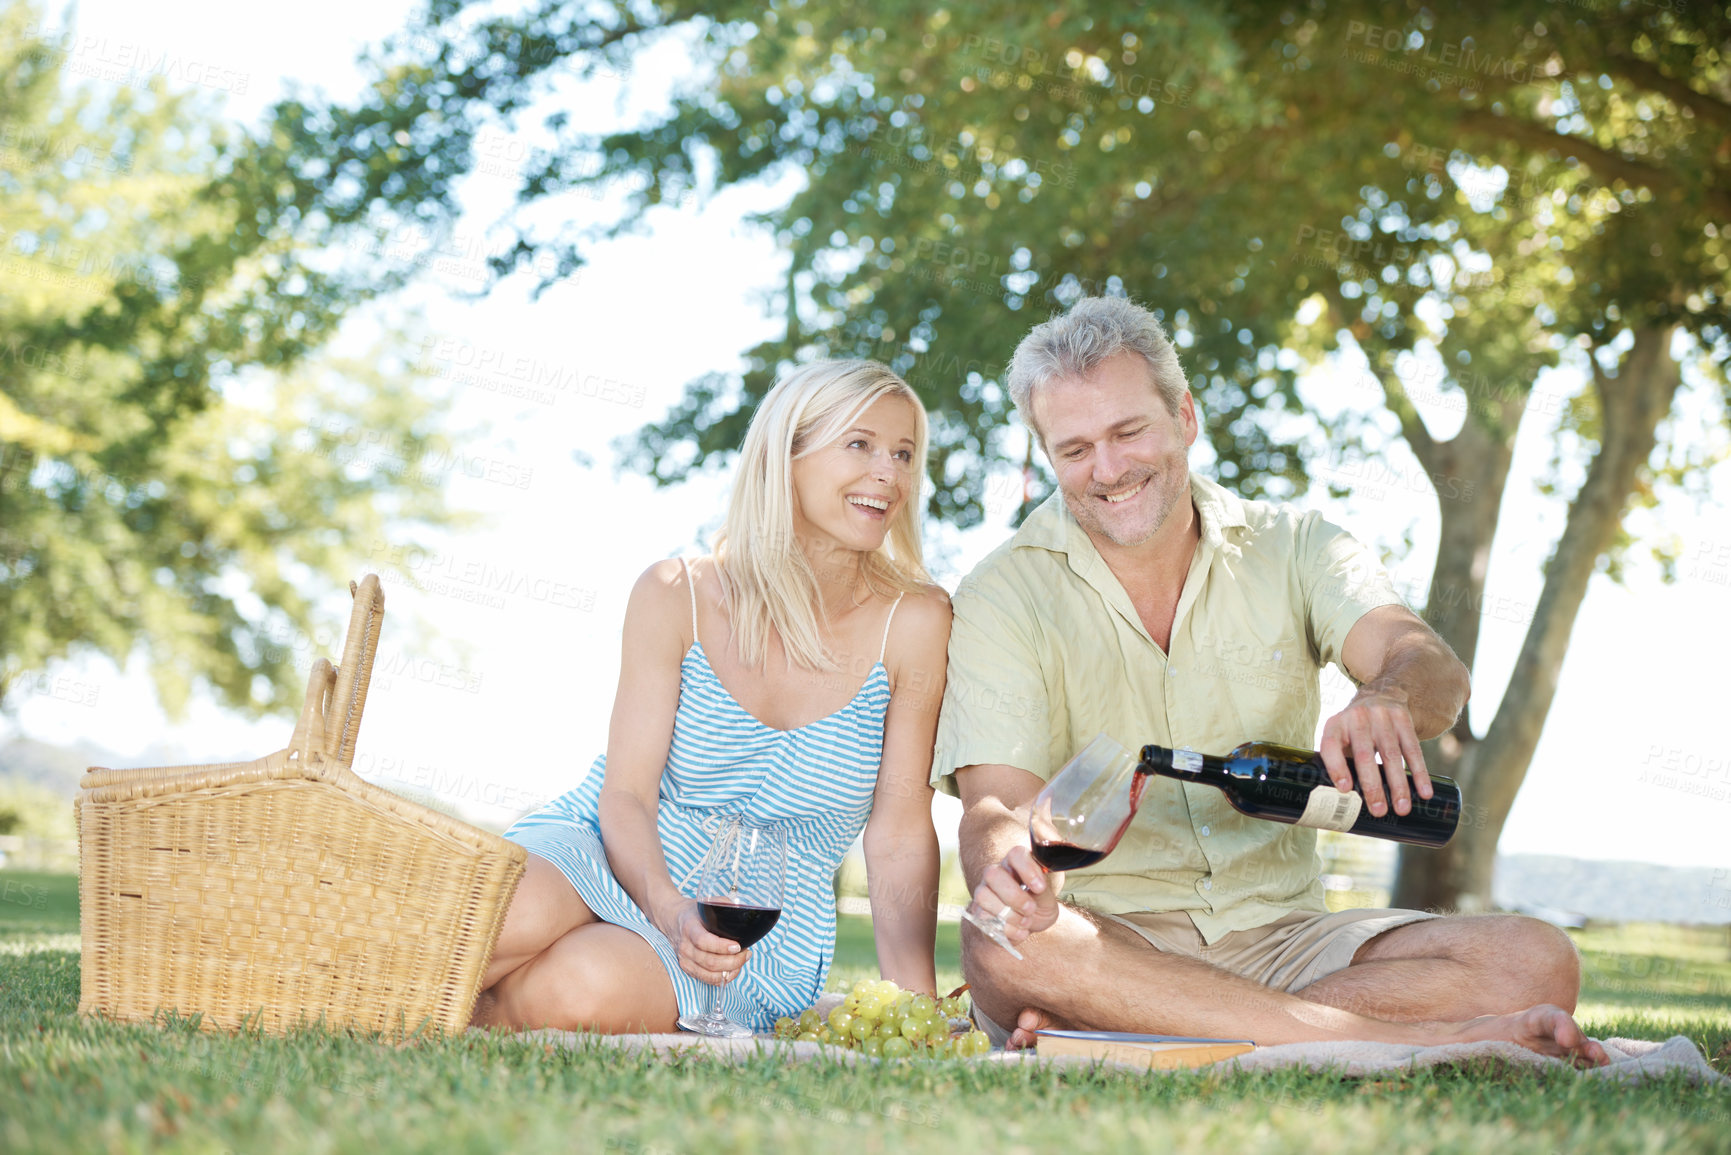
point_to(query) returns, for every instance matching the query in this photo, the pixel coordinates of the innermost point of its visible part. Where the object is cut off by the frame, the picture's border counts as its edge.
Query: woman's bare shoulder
(919, 643)
(929, 606)
(666, 585)
(922, 621)
(663, 577)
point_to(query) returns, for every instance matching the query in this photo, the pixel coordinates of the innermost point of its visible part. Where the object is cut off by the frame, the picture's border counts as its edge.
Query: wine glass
(1077, 819)
(739, 895)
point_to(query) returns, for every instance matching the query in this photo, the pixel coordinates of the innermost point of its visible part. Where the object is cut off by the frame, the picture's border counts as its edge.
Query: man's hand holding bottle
(1376, 723)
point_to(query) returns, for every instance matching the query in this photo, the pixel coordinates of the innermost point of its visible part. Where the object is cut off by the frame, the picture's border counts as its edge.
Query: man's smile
(1114, 498)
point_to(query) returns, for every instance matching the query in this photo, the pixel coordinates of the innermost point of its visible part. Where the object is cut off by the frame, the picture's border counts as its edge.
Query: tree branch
(1646, 74)
(1609, 165)
(1412, 425)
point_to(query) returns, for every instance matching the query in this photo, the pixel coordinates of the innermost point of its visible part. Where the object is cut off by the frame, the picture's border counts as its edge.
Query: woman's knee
(595, 979)
(544, 909)
(576, 1005)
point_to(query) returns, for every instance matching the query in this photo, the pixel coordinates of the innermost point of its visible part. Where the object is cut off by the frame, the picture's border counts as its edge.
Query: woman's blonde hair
(769, 580)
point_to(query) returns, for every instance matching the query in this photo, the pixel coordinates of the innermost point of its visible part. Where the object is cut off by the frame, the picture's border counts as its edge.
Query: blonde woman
(795, 676)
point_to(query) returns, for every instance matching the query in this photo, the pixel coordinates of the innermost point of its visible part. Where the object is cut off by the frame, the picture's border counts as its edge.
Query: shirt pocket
(1267, 685)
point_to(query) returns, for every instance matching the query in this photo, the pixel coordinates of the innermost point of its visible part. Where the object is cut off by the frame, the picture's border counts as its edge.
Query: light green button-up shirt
(1046, 651)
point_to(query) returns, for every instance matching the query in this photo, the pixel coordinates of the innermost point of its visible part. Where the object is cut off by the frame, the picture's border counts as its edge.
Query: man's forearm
(1422, 672)
(988, 830)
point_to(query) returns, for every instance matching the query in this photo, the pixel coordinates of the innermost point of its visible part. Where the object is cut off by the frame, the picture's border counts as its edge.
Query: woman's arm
(638, 738)
(901, 847)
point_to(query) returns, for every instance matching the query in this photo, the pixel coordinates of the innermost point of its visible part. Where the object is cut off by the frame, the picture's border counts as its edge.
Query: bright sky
(498, 705)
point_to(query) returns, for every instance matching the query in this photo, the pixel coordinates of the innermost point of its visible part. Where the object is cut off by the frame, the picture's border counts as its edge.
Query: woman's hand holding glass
(703, 954)
(740, 886)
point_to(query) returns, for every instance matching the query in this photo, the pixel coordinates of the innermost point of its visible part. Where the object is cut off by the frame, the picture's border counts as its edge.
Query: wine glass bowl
(1083, 811)
(740, 887)
(1077, 819)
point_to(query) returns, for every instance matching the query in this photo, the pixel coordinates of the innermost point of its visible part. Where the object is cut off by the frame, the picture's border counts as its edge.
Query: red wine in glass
(739, 921)
(1053, 856)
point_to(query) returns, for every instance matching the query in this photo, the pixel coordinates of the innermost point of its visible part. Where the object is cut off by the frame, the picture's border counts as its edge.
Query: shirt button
(1207, 884)
(1205, 832)
(1171, 671)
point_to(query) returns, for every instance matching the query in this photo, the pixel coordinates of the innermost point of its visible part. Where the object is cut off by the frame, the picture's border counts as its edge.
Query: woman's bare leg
(543, 910)
(598, 977)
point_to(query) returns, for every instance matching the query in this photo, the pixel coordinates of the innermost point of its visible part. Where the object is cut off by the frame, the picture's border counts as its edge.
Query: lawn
(68, 1084)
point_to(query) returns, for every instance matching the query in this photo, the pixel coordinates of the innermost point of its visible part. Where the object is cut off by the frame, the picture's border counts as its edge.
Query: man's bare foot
(1029, 1021)
(1546, 1029)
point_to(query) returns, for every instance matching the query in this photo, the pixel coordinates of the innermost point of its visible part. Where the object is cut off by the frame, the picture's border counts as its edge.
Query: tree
(177, 466)
(1463, 199)
(1605, 252)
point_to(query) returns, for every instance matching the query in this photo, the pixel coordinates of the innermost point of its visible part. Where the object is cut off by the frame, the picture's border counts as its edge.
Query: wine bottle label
(1331, 809)
(1186, 759)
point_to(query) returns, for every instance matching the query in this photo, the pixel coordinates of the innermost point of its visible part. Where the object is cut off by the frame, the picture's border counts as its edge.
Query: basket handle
(310, 734)
(355, 673)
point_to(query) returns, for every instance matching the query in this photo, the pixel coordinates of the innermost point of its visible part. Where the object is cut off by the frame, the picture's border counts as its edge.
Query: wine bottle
(1285, 784)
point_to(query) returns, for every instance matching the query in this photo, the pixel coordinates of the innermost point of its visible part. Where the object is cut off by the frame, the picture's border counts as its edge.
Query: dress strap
(691, 584)
(884, 647)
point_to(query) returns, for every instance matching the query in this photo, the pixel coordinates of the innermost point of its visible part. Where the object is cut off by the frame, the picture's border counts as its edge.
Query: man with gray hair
(1148, 603)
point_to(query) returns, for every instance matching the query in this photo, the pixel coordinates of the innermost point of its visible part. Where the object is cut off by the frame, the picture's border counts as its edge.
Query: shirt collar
(1053, 527)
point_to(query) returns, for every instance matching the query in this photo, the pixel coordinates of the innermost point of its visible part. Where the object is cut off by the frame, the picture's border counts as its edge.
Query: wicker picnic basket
(287, 890)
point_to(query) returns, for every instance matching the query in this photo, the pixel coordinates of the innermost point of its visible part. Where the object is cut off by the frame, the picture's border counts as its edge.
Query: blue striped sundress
(816, 780)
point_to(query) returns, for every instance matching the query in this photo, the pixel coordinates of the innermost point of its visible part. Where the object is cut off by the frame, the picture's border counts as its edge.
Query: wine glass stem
(993, 925)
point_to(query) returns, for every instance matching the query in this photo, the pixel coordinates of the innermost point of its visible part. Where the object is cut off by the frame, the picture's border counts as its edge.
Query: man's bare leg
(1102, 975)
(1455, 969)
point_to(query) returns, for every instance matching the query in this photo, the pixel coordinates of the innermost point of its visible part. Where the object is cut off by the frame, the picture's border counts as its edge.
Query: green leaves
(156, 489)
(1484, 184)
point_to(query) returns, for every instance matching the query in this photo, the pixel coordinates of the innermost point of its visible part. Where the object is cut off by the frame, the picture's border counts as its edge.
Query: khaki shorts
(1287, 954)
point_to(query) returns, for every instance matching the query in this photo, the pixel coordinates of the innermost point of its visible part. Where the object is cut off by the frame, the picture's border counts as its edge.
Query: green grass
(70, 1084)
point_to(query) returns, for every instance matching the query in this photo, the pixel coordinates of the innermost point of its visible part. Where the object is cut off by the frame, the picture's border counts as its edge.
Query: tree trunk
(1491, 770)
(1471, 472)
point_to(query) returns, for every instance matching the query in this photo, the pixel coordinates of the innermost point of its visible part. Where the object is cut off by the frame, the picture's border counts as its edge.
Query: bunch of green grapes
(884, 1021)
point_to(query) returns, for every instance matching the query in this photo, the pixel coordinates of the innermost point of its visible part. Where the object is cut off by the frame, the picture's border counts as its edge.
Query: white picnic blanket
(1632, 1060)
